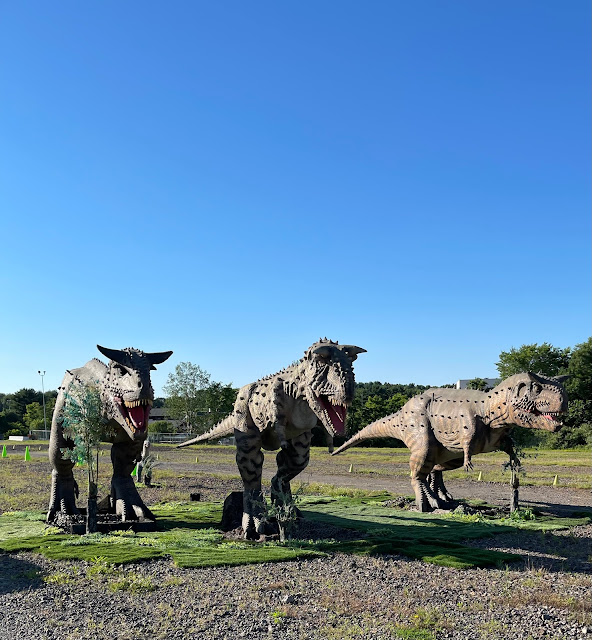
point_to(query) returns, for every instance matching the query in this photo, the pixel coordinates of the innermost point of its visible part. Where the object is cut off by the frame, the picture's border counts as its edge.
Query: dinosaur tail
(223, 428)
(384, 428)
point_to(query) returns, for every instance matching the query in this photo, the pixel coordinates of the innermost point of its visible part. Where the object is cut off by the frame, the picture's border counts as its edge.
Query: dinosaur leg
(467, 464)
(425, 498)
(291, 460)
(64, 489)
(124, 494)
(249, 459)
(436, 482)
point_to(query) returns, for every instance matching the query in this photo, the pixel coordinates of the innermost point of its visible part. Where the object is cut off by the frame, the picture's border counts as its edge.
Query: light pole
(42, 373)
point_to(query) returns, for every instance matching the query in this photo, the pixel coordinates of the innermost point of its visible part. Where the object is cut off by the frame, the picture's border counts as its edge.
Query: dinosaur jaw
(535, 419)
(332, 414)
(548, 421)
(135, 415)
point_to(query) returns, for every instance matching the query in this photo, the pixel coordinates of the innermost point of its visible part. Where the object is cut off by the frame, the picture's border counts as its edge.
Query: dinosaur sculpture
(127, 395)
(280, 411)
(443, 428)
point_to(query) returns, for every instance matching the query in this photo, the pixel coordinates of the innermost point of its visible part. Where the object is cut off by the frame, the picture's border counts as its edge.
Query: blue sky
(233, 180)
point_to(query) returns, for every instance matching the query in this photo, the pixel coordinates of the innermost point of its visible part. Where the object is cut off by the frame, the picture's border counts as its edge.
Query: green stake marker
(4, 454)
(480, 478)
(27, 454)
(135, 472)
(196, 459)
(351, 468)
(555, 481)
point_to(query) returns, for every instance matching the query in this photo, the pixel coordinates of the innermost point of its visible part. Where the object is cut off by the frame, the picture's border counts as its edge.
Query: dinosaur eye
(122, 370)
(521, 390)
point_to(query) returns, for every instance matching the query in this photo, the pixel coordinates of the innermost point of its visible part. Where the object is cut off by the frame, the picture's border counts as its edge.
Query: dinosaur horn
(116, 355)
(561, 379)
(535, 377)
(379, 429)
(351, 350)
(158, 358)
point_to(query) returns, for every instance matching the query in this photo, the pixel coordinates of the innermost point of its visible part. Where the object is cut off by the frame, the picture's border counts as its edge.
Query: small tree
(478, 384)
(83, 424)
(182, 389)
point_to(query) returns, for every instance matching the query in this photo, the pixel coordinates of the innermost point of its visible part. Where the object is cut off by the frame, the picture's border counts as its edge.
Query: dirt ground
(556, 500)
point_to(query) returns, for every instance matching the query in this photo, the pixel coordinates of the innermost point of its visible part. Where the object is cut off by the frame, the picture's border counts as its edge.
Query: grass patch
(189, 535)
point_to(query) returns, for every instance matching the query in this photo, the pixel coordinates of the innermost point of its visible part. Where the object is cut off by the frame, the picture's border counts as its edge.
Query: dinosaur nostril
(139, 384)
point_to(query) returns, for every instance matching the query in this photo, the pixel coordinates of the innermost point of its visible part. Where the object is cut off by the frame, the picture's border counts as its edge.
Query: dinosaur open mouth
(135, 412)
(335, 413)
(552, 419)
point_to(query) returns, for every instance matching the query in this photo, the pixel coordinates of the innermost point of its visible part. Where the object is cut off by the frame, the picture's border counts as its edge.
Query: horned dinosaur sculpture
(127, 395)
(443, 428)
(280, 411)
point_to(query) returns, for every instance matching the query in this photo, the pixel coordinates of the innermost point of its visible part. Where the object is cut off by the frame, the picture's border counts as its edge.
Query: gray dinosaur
(280, 411)
(443, 428)
(127, 395)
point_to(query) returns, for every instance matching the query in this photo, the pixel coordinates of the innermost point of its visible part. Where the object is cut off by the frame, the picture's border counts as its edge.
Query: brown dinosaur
(443, 428)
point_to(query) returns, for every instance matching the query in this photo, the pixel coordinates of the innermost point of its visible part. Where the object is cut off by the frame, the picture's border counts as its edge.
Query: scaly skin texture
(443, 428)
(127, 395)
(280, 411)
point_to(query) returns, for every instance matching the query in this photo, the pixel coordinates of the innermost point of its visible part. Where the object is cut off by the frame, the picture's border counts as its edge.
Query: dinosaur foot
(127, 501)
(64, 491)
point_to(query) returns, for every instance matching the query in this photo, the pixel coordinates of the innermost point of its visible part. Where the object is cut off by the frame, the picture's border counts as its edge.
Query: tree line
(195, 402)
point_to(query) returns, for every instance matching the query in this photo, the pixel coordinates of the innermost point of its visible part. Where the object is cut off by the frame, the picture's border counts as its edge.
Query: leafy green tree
(579, 386)
(83, 424)
(9, 421)
(183, 399)
(578, 422)
(33, 417)
(218, 400)
(478, 384)
(192, 397)
(359, 415)
(161, 426)
(544, 358)
(23, 397)
(395, 402)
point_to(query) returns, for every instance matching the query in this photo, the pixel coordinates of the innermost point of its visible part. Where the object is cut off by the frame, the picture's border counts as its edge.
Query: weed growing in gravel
(59, 578)
(414, 634)
(132, 583)
(99, 567)
(277, 616)
(344, 630)
(521, 515)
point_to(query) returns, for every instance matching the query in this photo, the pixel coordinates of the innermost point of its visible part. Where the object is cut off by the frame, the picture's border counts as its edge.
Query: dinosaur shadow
(456, 542)
(17, 574)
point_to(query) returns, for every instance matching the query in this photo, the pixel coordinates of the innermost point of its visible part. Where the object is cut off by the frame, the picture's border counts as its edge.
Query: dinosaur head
(535, 401)
(127, 392)
(329, 375)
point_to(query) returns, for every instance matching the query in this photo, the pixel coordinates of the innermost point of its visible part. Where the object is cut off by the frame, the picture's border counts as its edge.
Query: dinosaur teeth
(130, 404)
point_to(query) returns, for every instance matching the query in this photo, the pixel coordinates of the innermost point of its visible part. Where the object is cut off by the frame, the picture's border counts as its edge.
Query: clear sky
(233, 180)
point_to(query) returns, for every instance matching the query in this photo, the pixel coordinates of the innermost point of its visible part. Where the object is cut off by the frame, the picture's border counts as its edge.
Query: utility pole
(42, 373)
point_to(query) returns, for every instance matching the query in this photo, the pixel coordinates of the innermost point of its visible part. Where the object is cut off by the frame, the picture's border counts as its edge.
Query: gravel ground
(547, 595)
(333, 598)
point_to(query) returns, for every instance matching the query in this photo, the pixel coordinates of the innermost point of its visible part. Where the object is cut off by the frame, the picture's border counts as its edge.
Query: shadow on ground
(17, 574)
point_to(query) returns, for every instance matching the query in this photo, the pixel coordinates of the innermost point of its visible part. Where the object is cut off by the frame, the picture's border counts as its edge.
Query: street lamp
(42, 373)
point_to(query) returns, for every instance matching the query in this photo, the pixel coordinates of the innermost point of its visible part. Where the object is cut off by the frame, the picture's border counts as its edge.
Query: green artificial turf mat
(189, 534)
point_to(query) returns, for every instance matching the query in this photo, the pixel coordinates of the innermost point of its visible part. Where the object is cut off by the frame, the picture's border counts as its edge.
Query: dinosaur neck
(497, 409)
